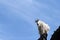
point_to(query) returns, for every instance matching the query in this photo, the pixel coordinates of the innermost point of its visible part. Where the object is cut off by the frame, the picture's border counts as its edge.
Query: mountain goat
(43, 29)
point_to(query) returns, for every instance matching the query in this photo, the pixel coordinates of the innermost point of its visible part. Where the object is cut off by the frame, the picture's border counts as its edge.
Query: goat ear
(37, 20)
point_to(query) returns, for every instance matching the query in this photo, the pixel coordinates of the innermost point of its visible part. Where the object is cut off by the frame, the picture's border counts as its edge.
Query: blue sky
(17, 18)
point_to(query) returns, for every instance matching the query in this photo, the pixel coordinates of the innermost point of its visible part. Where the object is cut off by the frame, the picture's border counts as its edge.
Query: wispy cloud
(28, 10)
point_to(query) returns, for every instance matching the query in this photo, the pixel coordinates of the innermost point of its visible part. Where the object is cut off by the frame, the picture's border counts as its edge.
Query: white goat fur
(43, 27)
